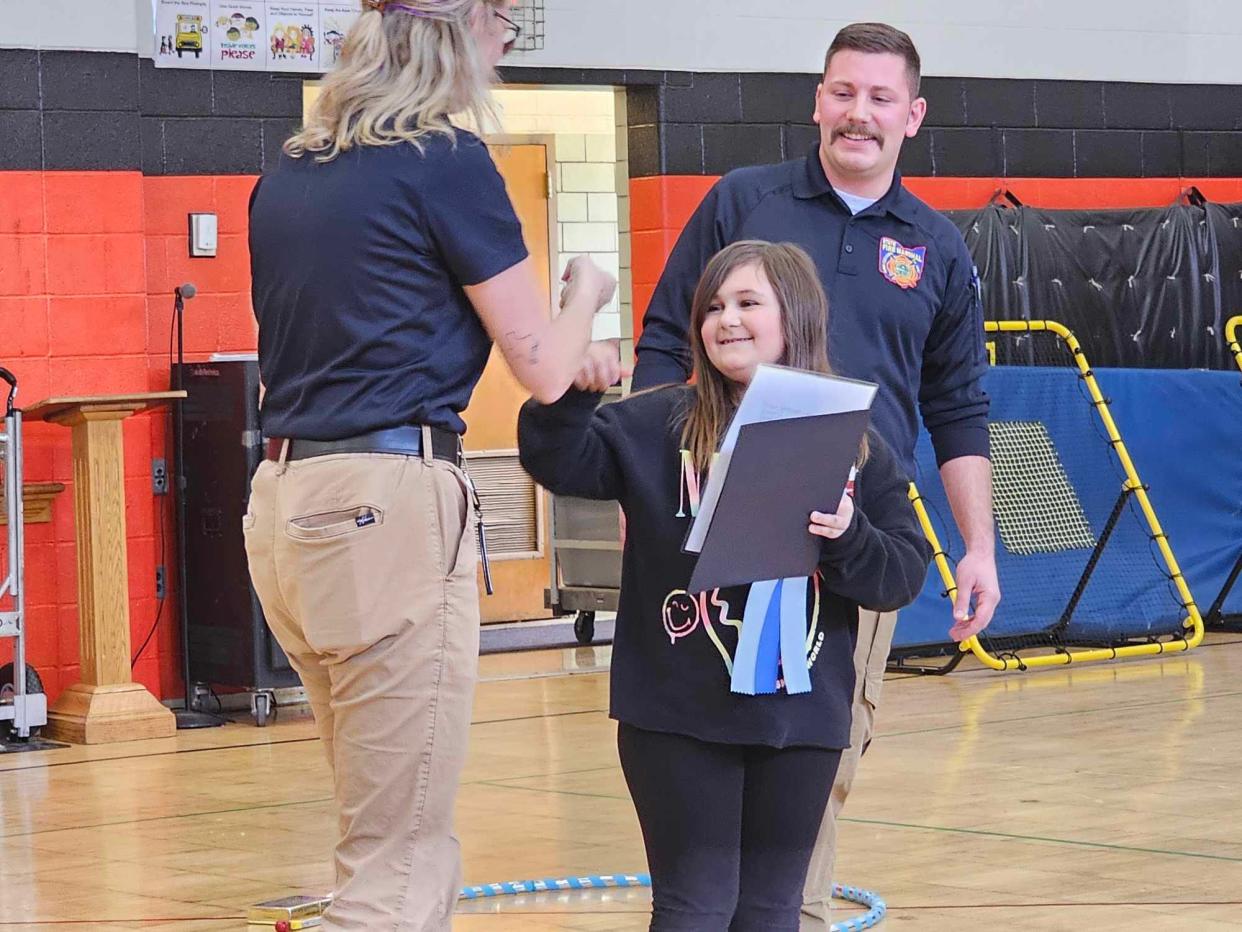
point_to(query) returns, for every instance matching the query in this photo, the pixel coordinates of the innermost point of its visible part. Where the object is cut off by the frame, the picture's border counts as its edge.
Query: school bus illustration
(190, 31)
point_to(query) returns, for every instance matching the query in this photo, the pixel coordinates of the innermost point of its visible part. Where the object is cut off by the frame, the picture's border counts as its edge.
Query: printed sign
(304, 36)
(292, 36)
(239, 35)
(183, 34)
(335, 19)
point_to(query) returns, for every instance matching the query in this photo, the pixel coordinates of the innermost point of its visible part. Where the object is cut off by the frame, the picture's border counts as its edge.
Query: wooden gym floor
(1101, 797)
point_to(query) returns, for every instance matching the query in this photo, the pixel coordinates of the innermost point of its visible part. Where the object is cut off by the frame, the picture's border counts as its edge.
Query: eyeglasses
(512, 31)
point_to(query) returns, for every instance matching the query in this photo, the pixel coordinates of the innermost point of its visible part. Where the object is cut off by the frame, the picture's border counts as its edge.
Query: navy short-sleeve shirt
(903, 309)
(358, 266)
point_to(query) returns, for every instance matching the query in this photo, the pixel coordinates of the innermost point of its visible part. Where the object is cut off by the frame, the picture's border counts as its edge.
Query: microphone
(186, 291)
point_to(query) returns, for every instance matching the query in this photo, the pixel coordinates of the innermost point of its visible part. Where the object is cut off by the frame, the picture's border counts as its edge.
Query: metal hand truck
(586, 562)
(23, 707)
(586, 557)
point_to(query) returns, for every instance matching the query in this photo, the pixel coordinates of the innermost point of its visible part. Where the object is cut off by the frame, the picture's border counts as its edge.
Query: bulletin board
(252, 35)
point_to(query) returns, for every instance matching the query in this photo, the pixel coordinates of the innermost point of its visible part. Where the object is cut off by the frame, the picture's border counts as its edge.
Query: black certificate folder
(780, 472)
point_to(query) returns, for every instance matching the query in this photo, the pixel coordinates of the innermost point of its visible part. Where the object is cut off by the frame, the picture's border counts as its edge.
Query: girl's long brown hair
(804, 325)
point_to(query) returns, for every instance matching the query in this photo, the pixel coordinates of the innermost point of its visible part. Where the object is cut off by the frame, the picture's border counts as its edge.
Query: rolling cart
(23, 706)
(586, 561)
(586, 557)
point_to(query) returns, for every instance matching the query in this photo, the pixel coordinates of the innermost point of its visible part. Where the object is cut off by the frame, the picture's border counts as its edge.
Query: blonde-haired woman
(386, 257)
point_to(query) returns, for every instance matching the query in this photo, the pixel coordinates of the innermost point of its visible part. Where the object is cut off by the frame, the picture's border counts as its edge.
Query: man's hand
(968, 484)
(601, 367)
(976, 576)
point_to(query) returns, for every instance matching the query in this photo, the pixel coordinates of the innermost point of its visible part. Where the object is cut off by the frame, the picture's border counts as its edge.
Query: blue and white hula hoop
(868, 920)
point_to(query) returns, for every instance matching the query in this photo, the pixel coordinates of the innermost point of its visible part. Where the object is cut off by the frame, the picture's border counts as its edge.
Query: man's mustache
(857, 129)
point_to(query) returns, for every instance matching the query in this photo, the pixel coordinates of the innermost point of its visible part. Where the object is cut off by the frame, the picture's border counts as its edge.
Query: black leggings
(729, 829)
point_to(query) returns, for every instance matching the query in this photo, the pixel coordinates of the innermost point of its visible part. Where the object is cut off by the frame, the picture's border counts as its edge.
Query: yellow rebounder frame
(1233, 333)
(1192, 623)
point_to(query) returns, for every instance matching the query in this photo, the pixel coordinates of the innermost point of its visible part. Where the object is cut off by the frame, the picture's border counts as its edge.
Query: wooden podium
(106, 705)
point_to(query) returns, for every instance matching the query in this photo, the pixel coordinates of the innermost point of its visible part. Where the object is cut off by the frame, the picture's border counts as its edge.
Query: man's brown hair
(879, 38)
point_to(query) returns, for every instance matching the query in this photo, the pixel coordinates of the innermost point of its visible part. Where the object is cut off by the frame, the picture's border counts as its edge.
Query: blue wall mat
(1183, 430)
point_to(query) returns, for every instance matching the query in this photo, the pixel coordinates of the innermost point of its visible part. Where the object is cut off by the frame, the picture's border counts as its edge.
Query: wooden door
(519, 579)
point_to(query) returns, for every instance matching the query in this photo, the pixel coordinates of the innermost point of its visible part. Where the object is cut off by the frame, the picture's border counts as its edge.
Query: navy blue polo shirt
(358, 266)
(903, 310)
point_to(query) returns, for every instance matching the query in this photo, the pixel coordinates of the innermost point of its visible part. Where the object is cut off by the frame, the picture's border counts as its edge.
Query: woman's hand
(583, 277)
(834, 525)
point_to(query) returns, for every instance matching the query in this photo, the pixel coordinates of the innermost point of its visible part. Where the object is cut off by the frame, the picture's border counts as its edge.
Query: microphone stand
(191, 716)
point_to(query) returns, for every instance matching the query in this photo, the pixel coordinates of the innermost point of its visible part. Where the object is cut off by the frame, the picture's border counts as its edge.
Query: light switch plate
(204, 235)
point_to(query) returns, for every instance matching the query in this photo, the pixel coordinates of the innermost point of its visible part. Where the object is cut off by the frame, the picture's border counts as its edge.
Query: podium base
(87, 714)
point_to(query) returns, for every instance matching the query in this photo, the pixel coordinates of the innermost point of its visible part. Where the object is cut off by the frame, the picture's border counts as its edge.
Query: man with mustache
(904, 312)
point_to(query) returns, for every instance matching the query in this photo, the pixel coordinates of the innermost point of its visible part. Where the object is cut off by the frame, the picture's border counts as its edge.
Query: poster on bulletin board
(239, 39)
(292, 36)
(334, 22)
(253, 35)
(183, 34)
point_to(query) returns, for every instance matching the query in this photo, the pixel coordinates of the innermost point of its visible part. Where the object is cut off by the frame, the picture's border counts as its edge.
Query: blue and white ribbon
(772, 641)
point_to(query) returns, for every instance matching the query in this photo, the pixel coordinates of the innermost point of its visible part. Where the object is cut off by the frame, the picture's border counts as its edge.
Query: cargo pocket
(873, 673)
(873, 685)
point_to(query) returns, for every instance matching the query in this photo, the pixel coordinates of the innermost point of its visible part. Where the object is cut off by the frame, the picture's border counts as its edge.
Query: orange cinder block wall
(88, 261)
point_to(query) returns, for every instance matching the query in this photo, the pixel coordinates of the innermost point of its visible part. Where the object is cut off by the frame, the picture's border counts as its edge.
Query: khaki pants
(365, 567)
(875, 637)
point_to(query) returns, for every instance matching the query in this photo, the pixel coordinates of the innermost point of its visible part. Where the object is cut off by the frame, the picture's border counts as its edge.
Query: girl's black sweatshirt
(673, 650)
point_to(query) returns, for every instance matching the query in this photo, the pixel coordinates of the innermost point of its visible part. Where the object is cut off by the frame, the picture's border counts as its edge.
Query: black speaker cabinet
(230, 644)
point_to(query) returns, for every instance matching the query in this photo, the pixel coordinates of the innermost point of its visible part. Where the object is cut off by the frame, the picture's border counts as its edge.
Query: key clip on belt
(478, 513)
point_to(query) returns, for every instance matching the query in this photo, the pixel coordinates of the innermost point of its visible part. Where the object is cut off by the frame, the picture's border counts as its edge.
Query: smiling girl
(729, 785)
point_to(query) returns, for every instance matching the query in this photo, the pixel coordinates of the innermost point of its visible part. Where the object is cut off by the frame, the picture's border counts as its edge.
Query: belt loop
(428, 452)
(282, 461)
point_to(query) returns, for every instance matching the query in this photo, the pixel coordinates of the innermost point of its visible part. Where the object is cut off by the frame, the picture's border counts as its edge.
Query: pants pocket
(336, 580)
(338, 523)
(885, 625)
(353, 534)
(873, 685)
(457, 520)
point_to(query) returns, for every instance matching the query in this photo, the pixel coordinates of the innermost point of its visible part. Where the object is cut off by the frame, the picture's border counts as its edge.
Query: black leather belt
(402, 441)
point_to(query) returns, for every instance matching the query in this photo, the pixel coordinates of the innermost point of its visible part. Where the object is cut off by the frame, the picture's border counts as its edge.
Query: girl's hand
(601, 368)
(834, 525)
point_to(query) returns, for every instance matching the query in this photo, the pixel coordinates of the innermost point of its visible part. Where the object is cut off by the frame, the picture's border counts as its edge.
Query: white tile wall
(591, 182)
(602, 207)
(601, 148)
(570, 147)
(588, 176)
(624, 284)
(573, 208)
(588, 237)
